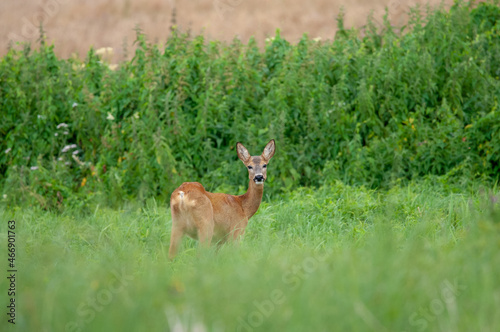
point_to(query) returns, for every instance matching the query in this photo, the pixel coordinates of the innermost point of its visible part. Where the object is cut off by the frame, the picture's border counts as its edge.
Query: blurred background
(74, 25)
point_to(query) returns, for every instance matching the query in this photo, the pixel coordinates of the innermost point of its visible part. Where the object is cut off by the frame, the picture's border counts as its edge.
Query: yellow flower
(84, 181)
(178, 285)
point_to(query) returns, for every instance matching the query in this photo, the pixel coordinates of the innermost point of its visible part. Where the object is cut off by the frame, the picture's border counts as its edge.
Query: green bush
(367, 108)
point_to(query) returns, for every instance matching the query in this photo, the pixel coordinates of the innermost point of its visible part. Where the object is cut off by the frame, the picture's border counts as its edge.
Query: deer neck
(252, 198)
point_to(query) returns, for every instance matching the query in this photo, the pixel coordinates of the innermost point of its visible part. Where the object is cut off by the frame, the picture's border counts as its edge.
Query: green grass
(421, 257)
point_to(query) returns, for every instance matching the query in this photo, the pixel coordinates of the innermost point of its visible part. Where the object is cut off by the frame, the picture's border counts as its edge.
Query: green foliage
(367, 109)
(413, 258)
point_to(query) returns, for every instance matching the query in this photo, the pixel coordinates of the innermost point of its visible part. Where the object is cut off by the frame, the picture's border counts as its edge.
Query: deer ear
(243, 153)
(269, 150)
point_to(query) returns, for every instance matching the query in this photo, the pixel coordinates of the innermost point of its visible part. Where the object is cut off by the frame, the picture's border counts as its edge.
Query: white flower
(34, 168)
(60, 158)
(110, 116)
(270, 39)
(56, 134)
(136, 115)
(8, 150)
(76, 152)
(104, 50)
(67, 163)
(4, 196)
(68, 147)
(65, 133)
(106, 54)
(62, 125)
(317, 39)
(75, 105)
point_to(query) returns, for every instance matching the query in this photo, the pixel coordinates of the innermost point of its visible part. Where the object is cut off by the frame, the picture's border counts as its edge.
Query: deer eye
(250, 167)
(265, 165)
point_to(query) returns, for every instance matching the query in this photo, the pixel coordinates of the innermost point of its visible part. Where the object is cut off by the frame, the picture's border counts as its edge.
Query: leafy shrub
(367, 108)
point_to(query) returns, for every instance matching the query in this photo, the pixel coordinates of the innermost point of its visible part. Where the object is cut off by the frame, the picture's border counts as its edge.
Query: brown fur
(204, 216)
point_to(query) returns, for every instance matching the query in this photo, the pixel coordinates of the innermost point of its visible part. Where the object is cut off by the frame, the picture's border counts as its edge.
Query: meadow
(75, 26)
(380, 211)
(421, 257)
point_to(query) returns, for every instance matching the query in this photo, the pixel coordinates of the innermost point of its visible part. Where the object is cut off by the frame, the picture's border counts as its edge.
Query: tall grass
(369, 109)
(414, 258)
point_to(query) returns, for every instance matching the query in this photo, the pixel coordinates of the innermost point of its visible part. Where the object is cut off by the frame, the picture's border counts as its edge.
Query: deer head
(256, 165)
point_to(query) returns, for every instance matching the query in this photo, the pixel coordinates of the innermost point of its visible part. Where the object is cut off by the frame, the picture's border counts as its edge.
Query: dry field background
(74, 25)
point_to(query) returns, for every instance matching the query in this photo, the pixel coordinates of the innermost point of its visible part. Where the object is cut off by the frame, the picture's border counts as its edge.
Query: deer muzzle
(259, 179)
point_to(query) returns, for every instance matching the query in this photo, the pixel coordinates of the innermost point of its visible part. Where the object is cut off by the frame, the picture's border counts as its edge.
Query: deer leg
(205, 229)
(239, 230)
(204, 220)
(205, 234)
(175, 241)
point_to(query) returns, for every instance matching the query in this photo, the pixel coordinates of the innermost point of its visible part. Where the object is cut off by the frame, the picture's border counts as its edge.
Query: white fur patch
(181, 193)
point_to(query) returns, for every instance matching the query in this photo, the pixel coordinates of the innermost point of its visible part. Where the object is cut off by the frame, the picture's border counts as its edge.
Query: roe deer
(203, 215)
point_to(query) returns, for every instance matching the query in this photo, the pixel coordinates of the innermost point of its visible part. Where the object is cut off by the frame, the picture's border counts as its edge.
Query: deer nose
(259, 178)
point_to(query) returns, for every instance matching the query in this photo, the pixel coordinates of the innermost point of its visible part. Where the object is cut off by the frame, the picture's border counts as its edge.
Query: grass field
(423, 257)
(75, 26)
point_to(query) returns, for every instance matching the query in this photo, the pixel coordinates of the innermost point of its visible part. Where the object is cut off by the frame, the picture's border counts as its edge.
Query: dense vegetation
(369, 108)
